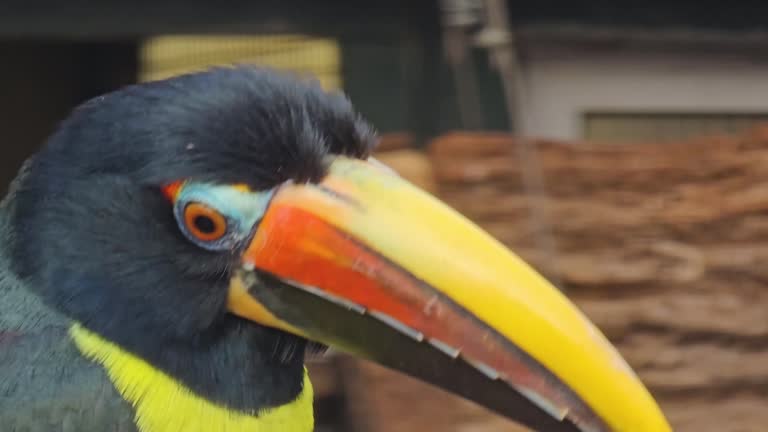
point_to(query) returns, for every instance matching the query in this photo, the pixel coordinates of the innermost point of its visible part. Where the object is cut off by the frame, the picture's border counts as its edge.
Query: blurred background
(616, 146)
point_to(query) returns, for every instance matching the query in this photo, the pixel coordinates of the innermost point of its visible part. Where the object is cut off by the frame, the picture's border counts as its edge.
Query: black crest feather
(99, 243)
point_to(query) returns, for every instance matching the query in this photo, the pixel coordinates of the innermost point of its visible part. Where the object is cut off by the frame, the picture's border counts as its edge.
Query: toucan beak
(368, 263)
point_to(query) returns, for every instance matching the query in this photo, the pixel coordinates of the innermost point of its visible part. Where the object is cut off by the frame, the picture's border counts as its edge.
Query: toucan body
(176, 246)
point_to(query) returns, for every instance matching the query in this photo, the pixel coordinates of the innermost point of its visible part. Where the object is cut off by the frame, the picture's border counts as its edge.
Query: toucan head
(215, 222)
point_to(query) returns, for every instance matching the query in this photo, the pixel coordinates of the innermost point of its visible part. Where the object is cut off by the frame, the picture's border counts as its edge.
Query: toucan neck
(242, 366)
(163, 404)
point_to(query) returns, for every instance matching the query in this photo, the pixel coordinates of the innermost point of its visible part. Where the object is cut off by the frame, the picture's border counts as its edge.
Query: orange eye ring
(205, 223)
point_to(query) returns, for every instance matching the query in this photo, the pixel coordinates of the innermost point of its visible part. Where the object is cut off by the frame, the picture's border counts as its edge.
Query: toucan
(176, 247)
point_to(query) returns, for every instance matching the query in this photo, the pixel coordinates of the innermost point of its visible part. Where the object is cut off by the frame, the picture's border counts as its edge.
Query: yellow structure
(166, 56)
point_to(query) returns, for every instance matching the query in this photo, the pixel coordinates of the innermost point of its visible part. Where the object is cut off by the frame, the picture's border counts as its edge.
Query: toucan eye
(204, 223)
(216, 217)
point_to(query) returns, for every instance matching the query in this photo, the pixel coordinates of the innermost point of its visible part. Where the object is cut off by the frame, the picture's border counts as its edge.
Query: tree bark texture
(663, 245)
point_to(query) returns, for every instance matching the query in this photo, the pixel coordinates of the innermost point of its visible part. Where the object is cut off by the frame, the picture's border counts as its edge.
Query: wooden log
(463, 158)
(395, 141)
(662, 245)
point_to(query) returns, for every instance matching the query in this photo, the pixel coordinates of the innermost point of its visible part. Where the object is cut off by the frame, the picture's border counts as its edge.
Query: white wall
(563, 86)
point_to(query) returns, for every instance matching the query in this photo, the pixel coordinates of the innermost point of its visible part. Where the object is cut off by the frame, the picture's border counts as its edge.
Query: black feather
(99, 243)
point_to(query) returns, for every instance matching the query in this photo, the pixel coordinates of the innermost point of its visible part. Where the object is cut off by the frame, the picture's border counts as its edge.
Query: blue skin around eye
(241, 209)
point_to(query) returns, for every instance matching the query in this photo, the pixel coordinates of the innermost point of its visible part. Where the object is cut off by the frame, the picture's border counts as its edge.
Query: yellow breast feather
(162, 404)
